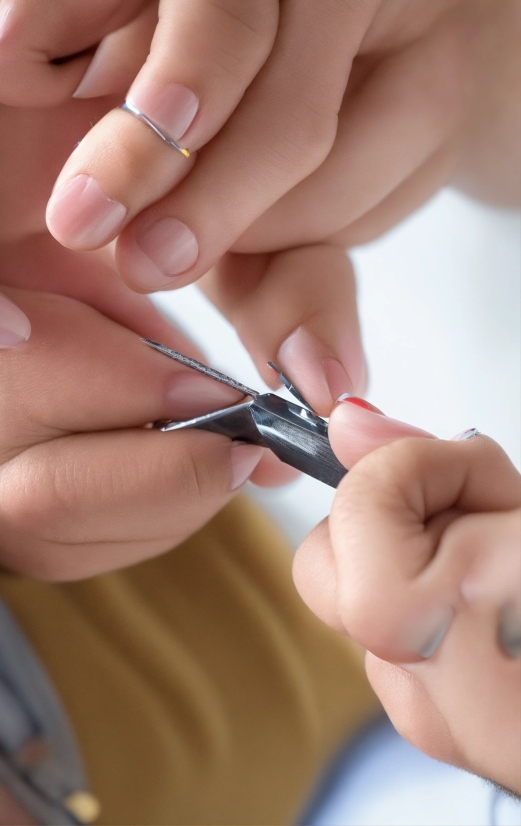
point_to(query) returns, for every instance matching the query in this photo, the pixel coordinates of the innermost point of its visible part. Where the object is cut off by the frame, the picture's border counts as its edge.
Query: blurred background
(440, 308)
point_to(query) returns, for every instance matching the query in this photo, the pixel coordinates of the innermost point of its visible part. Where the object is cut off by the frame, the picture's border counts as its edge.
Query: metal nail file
(296, 434)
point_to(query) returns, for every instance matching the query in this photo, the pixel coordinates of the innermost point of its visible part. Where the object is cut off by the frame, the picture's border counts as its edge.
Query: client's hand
(420, 564)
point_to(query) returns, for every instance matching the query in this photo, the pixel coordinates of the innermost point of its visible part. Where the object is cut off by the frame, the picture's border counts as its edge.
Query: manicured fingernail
(170, 106)
(509, 631)
(425, 635)
(170, 248)
(318, 376)
(82, 216)
(190, 394)
(244, 459)
(15, 327)
(467, 434)
(360, 403)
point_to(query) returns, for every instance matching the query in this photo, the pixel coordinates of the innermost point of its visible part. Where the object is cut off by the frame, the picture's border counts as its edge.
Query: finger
(89, 503)
(271, 472)
(357, 427)
(204, 55)
(287, 312)
(80, 371)
(119, 57)
(394, 127)
(494, 578)
(93, 284)
(314, 574)
(45, 48)
(282, 131)
(395, 593)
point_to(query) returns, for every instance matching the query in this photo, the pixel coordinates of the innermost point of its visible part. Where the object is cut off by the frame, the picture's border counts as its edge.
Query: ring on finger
(129, 107)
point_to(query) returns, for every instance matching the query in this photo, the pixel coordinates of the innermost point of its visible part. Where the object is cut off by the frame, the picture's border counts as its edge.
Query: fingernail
(97, 80)
(171, 106)
(319, 377)
(244, 459)
(509, 631)
(190, 394)
(170, 248)
(15, 327)
(466, 434)
(5, 22)
(81, 215)
(425, 635)
(360, 403)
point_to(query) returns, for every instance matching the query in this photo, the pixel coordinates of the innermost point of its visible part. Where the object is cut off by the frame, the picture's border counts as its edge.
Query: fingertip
(271, 472)
(244, 459)
(357, 427)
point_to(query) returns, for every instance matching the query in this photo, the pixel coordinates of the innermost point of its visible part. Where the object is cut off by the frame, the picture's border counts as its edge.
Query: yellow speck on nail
(83, 805)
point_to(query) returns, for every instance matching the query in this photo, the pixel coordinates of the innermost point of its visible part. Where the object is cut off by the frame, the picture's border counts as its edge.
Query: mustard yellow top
(201, 689)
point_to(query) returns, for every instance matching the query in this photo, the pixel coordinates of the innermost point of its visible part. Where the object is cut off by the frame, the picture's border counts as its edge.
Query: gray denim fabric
(31, 711)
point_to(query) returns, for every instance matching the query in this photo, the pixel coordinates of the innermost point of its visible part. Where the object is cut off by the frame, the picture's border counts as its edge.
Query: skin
(464, 128)
(419, 526)
(406, 96)
(87, 297)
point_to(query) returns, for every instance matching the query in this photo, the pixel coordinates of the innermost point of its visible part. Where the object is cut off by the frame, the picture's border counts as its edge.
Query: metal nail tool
(297, 435)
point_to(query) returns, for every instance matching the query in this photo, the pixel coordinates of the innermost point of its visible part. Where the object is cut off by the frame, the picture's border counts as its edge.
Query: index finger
(204, 54)
(82, 372)
(282, 130)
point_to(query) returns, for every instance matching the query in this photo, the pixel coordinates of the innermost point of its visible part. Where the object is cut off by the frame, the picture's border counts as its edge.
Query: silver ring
(129, 107)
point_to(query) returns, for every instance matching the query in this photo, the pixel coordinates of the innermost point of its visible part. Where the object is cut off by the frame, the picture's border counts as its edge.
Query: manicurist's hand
(310, 120)
(313, 124)
(283, 307)
(420, 563)
(85, 487)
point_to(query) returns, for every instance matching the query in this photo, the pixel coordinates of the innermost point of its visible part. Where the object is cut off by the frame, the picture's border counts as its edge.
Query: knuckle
(256, 20)
(200, 477)
(241, 33)
(31, 503)
(305, 136)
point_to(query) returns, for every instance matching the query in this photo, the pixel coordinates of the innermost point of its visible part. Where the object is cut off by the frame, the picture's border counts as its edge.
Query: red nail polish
(361, 403)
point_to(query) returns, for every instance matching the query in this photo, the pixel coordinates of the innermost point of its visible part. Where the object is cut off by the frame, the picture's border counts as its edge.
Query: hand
(279, 295)
(84, 486)
(429, 99)
(420, 564)
(312, 120)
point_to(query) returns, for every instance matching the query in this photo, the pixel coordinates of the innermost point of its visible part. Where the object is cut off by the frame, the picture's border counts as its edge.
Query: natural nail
(190, 394)
(170, 248)
(170, 106)
(15, 327)
(426, 634)
(81, 215)
(244, 460)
